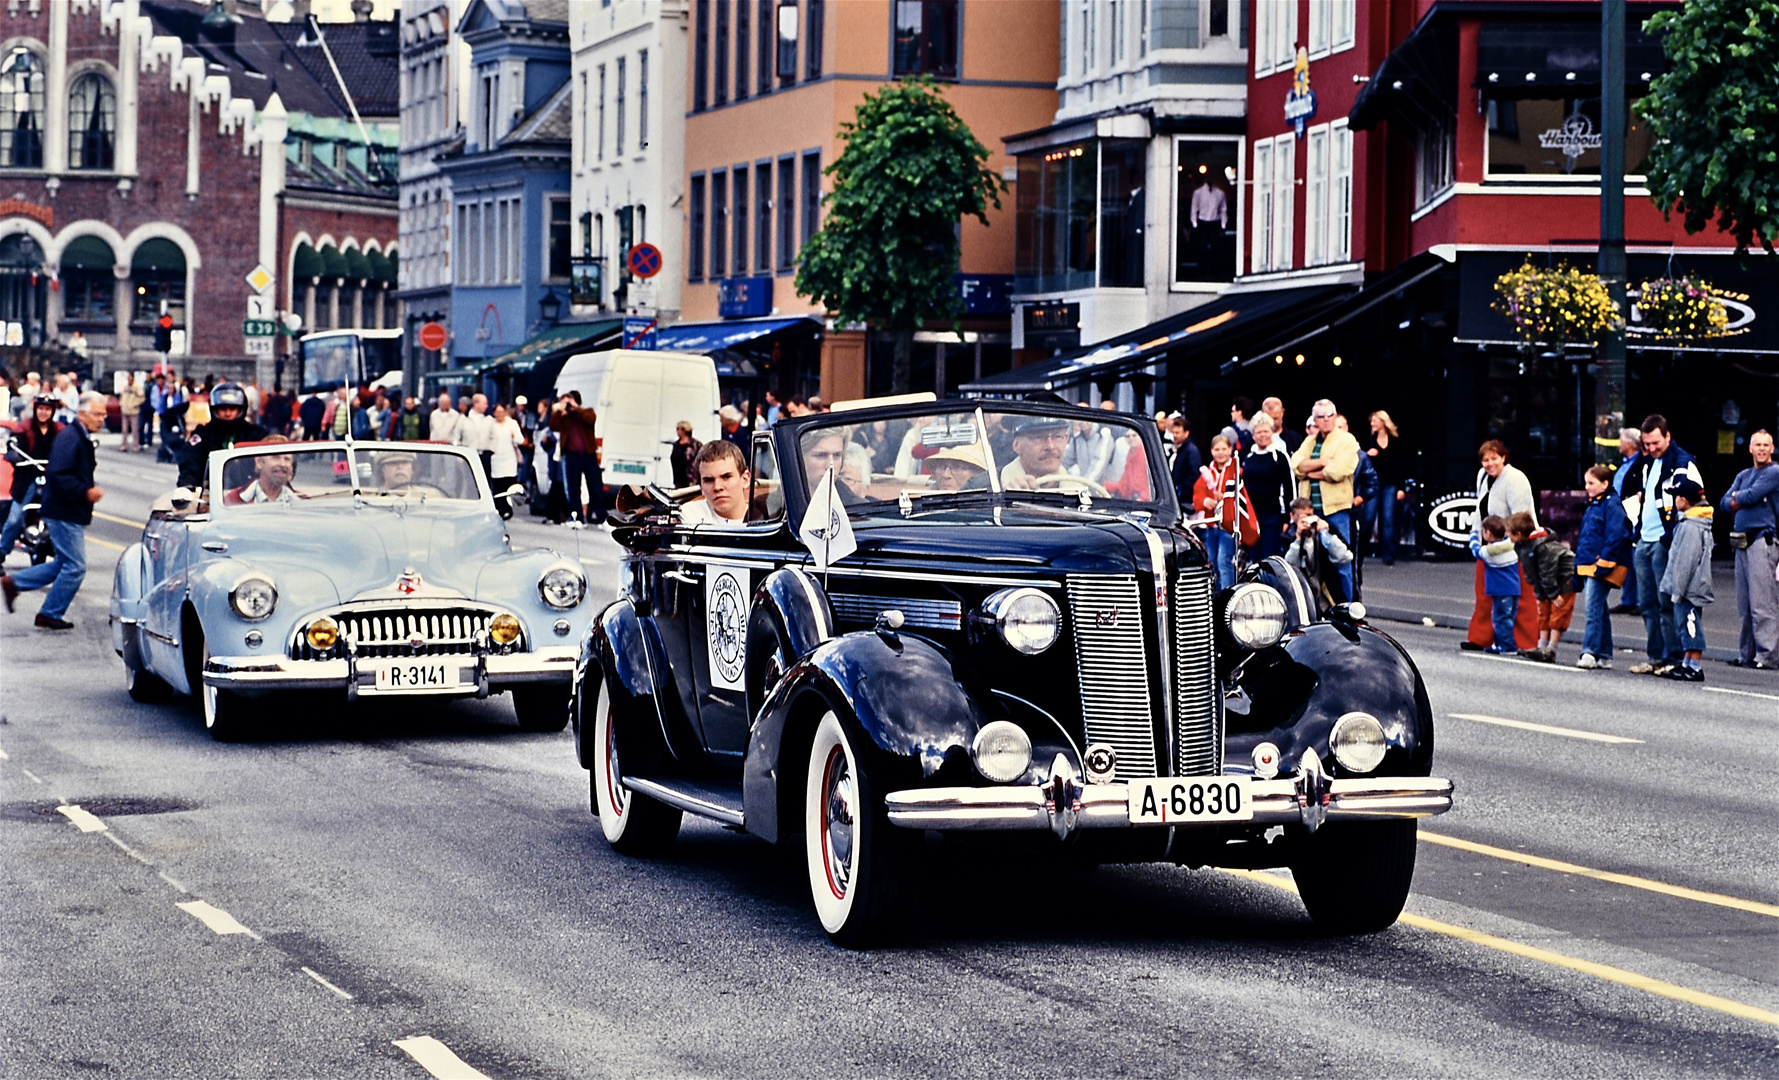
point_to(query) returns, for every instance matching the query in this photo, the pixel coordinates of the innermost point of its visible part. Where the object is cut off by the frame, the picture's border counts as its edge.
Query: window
(787, 213)
(695, 230)
(1055, 223)
(1118, 29)
(1344, 15)
(21, 110)
(812, 195)
(1284, 199)
(489, 130)
(743, 36)
(719, 225)
(1315, 205)
(503, 228)
(1175, 24)
(642, 100)
(1218, 19)
(1340, 193)
(739, 185)
(812, 46)
(1275, 35)
(1434, 151)
(618, 132)
(768, 49)
(763, 217)
(721, 77)
(92, 123)
(787, 42)
(1557, 137)
(586, 119)
(1121, 214)
(926, 37)
(1321, 16)
(89, 288)
(701, 57)
(1260, 258)
(600, 140)
(626, 216)
(1205, 209)
(491, 242)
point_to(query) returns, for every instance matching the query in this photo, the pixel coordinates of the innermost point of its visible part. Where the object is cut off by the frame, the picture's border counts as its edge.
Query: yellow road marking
(107, 544)
(120, 520)
(1557, 959)
(1604, 875)
(1572, 733)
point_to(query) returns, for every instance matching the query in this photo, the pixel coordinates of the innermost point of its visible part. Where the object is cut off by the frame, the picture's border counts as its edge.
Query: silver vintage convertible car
(365, 570)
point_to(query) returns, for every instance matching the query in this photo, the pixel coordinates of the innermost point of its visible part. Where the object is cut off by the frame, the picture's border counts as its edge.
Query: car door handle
(680, 576)
(214, 545)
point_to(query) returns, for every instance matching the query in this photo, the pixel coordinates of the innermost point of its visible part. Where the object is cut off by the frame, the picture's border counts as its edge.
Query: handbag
(1613, 574)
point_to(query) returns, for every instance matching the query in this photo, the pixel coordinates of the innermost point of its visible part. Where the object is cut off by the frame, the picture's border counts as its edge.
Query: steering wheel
(1065, 482)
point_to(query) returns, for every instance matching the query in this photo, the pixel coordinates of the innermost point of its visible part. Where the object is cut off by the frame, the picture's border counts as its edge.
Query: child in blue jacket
(1501, 580)
(1602, 557)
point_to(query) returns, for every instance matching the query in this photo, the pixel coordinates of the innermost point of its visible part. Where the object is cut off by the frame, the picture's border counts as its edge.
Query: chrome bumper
(1307, 799)
(255, 675)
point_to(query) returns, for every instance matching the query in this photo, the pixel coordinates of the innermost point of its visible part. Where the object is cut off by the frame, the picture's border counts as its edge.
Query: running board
(719, 802)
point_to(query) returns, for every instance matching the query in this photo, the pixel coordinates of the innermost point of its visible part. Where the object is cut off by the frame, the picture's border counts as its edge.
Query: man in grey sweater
(1687, 578)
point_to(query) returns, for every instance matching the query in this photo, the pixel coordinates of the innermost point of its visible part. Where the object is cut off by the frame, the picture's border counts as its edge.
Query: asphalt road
(391, 892)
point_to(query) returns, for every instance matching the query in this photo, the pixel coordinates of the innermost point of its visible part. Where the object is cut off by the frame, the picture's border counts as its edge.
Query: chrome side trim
(691, 804)
(928, 614)
(160, 637)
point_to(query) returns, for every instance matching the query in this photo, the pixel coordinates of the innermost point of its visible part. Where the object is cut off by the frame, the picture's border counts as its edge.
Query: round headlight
(1002, 751)
(323, 633)
(562, 587)
(1358, 742)
(253, 598)
(1026, 619)
(504, 629)
(1255, 615)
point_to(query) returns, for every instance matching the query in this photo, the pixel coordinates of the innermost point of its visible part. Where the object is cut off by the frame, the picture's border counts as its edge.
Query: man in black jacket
(229, 425)
(68, 498)
(39, 435)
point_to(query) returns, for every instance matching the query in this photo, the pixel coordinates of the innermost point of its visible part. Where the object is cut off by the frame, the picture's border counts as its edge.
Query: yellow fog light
(323, 633)
(504, 629)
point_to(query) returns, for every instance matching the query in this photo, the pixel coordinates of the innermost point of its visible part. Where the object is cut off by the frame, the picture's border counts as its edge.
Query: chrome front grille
(926, 614)
(403, 632)
(1198, 715)
(1107, 615)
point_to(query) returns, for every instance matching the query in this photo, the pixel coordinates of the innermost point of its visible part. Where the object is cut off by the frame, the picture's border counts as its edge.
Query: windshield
(302, 472)
(329, 362)
(1025, 456)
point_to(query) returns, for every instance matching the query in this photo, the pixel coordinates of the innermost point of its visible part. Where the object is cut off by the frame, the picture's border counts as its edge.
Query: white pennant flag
(827, 532)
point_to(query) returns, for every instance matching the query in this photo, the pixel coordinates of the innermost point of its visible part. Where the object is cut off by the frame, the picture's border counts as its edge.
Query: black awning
(1417, 84)
(1525, 59)
(1387, 286)
(1215, 328)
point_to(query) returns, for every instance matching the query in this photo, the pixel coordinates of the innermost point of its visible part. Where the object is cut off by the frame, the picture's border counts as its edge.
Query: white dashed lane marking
(1547, 729)
(1741, 693)
(436, 1058)
(86, 821)
(313, 974)
(35, 779)
(215, 918)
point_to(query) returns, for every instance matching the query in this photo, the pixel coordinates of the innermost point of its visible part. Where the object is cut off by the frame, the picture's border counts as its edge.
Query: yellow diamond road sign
(260, 278)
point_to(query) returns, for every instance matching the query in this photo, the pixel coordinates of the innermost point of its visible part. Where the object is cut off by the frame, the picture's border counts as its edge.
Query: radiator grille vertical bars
(1116, 709)
(1198, 715)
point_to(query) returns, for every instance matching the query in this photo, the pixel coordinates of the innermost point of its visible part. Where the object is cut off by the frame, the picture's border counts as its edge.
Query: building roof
(551, 122)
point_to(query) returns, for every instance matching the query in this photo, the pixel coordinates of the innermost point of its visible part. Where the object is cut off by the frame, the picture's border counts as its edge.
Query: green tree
(886, 253)
(1715, 118)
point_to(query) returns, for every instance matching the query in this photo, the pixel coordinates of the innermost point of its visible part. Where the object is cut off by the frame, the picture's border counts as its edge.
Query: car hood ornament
(409, 582)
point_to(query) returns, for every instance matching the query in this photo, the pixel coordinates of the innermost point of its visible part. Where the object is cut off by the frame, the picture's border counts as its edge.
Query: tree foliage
(1715, 118)
(885, 255)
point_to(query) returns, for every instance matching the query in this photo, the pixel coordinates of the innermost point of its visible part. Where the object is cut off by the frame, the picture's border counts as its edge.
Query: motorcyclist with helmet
(227, 427)
(33, 440)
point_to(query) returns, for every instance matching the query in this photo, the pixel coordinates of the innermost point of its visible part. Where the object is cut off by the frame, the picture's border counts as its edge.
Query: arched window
(21, 110)
(89, 287)
(157, 272)
(92, 123)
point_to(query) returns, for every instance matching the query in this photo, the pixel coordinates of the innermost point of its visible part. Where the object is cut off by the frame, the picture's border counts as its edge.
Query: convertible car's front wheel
(541, 708)
(225, 713)
(633, 824)
(1354, 876)
(144, 687)
(858, 862)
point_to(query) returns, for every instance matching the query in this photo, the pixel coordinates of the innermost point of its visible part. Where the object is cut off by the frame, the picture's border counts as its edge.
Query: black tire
(859, 865)
(541, 708)
(143, 687)
(633, 824)
(1354, 876)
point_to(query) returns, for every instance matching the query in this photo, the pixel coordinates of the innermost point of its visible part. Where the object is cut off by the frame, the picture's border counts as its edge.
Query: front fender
(619, 651)
(790, 613)
(1298, 689)
(129, 594)
(910, 720)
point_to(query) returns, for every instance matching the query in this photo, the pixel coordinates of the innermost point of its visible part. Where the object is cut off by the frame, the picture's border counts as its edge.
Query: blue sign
(985, 294)
(744, 298)
(1300, 101)
(641, 333)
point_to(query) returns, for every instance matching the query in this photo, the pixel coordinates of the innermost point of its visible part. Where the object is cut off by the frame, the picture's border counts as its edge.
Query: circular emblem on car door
(728, 626)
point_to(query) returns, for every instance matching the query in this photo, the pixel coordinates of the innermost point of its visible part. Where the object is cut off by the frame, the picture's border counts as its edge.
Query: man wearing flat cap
(1038, 445)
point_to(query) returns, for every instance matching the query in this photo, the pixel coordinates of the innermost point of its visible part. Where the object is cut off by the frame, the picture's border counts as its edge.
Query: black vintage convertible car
(1028, 638)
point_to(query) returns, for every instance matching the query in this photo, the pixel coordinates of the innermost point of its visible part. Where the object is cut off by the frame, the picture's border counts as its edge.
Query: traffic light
(163, 334)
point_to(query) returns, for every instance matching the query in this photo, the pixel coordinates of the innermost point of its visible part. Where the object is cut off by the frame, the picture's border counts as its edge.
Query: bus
(330, 359)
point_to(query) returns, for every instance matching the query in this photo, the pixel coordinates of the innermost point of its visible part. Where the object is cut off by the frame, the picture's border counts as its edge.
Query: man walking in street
(68, 498)
(442, 425)
(1324, 467)
(1650, 509)
(1754, 534)
(580, 460)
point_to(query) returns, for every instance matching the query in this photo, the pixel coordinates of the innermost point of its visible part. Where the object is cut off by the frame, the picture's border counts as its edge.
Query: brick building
(153, 155)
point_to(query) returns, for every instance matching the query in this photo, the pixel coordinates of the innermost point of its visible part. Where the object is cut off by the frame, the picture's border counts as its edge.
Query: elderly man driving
(1038, 445)
(272, 475)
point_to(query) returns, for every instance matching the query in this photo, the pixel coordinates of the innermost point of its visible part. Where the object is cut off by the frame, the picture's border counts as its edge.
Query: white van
(640, 396)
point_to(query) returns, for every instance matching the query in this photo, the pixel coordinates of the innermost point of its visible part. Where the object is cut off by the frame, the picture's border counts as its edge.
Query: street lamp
(549, 307)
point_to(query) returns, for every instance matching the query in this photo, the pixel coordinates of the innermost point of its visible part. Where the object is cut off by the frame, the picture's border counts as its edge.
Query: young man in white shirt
(724, 479)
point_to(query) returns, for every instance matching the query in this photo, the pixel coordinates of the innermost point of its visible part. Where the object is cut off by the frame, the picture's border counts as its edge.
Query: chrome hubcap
(838, 801)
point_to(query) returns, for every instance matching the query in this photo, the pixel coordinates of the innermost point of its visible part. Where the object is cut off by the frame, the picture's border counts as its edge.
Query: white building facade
(434, 62)
(629, 81)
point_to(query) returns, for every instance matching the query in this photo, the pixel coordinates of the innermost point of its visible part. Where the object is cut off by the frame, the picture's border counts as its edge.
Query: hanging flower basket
(1679, 309)
(1555, 306)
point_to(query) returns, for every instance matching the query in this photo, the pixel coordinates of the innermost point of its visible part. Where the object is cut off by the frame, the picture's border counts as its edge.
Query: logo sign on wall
(725, 626)
(1300, 101)
(1450, 519)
